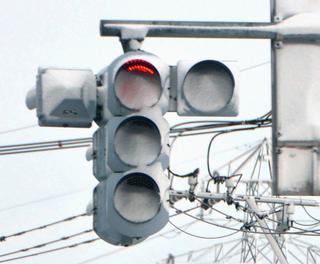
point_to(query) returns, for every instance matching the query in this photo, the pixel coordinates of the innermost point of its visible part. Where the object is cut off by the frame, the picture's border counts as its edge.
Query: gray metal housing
(100, 167)
(65, 97)
(111, 226)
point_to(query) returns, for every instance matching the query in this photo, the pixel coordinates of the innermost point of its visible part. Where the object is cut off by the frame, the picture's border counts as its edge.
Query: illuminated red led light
(140, 66)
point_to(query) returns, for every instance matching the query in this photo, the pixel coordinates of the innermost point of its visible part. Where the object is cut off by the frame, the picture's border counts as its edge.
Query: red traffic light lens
(140, 66)
(137, 84)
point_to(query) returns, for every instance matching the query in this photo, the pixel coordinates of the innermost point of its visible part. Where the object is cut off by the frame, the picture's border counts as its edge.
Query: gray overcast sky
(66, 33)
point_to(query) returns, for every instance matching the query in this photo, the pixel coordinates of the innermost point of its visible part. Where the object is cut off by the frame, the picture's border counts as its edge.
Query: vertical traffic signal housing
(207, 88)
(131, 149)
(132, 82)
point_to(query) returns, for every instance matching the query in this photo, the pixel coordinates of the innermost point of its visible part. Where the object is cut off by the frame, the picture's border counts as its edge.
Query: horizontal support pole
(241, 198)
(178, 29)
(184, 29)
(302, 27)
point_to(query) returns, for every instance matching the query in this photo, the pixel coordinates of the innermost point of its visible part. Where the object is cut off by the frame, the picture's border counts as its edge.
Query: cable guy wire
(17, 129)
(45, 146)
(52, 250)
(44, 199)
(203, 237)
(64, 238)
(77, 244)
(69, 236)
(71, 218)
(311, 216)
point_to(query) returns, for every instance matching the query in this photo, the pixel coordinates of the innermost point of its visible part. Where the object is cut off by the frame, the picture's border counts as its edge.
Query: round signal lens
(208, 86)
(138, 84)
(137, 141)
(137, 198)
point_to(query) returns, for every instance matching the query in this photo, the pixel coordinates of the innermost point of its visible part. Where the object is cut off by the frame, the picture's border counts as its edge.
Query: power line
(217, 131)
(71, 218)
(3, 209)
(200, 122)
(45, 146)
(312, 224)
(235, 241)
(177, 233)
(187, 253)
(311, 216)
(44, 149)
(104, 255)
(254, 66)
(248, 144)
(179, 212)
(203, 237)
(259, 122)
(255, 232)
(17, 129)
(148, 239)
(217, 124)
(163, 234)
(69, 246)
(52, 142)
(218, 211)
(238, 156)
(86, 142)
(210, 124)
(190, 174)
(52, 250)
(219, 152)
(222, 133)
(64, 238)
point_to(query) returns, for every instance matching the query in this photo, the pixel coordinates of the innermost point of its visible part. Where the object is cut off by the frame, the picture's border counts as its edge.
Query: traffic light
(64, 97)
(131, 206)
(207, 88)
(134, 81)
(131, 149)
(139, 139)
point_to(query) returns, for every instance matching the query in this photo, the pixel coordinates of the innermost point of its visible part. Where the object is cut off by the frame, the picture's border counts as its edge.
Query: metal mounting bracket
(132, 37)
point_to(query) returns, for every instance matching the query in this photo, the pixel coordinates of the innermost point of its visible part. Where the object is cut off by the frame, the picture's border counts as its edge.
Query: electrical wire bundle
(45, 146)
(194, 128)
(71, 236)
